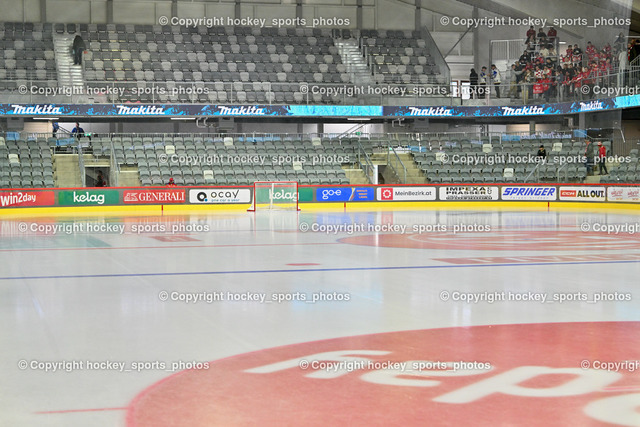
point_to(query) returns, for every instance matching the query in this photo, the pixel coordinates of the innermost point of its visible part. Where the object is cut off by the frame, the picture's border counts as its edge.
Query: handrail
(439, 59)
(83, 173)
(403, 177)
(535, 170)
(114, 174)
(565, 172)
(367, 166)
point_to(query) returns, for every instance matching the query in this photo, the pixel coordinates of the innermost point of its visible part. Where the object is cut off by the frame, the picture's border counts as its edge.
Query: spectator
(623, 64)
(496, 79)
(513, 80)
(559, 83)
(544, 52)
(620, 43)
(526, 85)
(56, 127)
(542, 37)
(78, 49)
(171, 183)
(602, 158)
(531, 38)
(473, 84)
(589, 154)
(542, 153)
(100, 182)
(77, 131)
(531, 33)
(552, 34)
(483, 82)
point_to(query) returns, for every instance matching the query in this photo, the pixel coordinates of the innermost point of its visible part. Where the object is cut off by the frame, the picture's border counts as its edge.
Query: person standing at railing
(527, 85)
(551, 35)
(602, 159)
(542, 37)
(514, 78)
(483, 82)
(623, 65)
(473, 84)
(589, 154)
(531, 35)
(619, 45)
(496, 79)
(56, 128)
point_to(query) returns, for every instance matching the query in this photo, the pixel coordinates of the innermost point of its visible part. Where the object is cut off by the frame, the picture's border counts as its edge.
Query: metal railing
(365, 163)
(396, 165)
(81, 166)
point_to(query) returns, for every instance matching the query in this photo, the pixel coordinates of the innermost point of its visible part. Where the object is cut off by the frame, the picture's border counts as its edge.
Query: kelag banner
(200, 110)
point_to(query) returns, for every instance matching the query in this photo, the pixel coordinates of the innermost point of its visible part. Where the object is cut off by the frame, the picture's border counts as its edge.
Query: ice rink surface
(323, 318)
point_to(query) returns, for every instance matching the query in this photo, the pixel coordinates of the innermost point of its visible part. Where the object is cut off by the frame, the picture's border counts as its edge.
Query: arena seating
(218, 159)
(508, 161)
(27, 54)
(400, 56)
(25, 164)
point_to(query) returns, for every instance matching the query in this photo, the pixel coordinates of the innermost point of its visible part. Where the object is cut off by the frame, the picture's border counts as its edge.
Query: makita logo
(36, 109)
(522, 111)
(589, 106)
(431, 111)
(242, 111)
(149, 110)
(88, 198)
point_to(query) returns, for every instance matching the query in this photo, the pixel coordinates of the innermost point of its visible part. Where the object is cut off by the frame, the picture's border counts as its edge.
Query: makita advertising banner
(206, 110)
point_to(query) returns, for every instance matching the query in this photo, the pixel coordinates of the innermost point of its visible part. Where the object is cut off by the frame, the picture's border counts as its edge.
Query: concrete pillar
(476, 42)
(109, 11)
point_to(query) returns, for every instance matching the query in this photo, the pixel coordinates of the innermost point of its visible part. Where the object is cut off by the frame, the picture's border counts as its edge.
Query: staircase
(68, 74)
(356, 176)
(354, 61)
(414, 173)
(129, 176)
(66, 171)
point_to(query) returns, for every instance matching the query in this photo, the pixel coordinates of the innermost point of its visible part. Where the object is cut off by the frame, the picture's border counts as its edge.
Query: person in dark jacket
(78, 49)
(100, 182)
(473, 81)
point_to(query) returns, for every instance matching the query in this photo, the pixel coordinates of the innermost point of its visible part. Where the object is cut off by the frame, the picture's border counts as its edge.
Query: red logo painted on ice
(535, 374)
